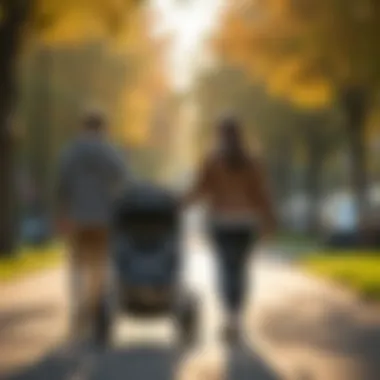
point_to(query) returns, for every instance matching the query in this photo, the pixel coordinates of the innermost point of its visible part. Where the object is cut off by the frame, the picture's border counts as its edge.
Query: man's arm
(121, 174)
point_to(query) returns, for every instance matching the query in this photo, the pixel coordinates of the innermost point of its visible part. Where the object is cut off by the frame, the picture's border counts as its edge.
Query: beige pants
(88, 272)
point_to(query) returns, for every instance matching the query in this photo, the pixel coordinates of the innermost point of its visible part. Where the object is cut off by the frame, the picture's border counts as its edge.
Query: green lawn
(296, 244)
(359, 271)
(295, 239)
(30, 260)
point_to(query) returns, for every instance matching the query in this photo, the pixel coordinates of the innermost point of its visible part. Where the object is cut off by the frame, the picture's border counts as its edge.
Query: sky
(190, 21)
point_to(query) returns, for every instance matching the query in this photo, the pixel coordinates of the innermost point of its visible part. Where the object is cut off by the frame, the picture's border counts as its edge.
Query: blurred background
(303, 76)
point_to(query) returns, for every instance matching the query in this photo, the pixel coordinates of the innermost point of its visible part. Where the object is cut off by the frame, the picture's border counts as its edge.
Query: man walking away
(91, 175)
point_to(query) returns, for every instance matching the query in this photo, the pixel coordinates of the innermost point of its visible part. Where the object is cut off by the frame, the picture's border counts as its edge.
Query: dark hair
(230, 134)
(94, 121)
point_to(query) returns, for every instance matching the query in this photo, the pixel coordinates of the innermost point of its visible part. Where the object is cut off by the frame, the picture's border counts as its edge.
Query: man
(91, 174)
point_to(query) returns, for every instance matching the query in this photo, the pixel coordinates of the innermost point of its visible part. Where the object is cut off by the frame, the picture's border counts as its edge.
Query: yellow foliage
(131, 35)
(271, 49)
(282, 78)
(138, 101)
(127, 29)
(315, 94)
(288, 80)
(137, 132)
(75, 26)
(373, 126)
(138, 111)
(71, 21)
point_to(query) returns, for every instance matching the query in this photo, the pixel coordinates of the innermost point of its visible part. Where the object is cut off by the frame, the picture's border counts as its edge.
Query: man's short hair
(94, 120)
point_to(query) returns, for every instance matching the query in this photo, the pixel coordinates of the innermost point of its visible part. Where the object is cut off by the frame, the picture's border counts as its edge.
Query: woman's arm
(201, 185)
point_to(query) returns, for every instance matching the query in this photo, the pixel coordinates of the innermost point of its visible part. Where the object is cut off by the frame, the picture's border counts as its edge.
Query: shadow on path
(245, 364)
(139, 362)
(55, 366)
(13, 318)
(335, 331)
(145, 362)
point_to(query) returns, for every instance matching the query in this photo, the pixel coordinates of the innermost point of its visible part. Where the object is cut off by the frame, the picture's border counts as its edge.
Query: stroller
(146, 263)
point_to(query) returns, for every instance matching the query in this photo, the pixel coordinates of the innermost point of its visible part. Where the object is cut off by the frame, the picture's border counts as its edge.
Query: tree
(268, 121)
(145, 126)
(291, 137)
(15, 14)
(57, 84)
(40, 18)
(312, 53)
(320, 133)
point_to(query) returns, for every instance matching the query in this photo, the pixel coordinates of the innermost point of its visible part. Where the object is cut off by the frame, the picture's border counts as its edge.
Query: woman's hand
(63, 226)
(268, 231)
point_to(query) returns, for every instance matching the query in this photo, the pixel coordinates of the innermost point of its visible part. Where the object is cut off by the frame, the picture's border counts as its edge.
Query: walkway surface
(299, 328)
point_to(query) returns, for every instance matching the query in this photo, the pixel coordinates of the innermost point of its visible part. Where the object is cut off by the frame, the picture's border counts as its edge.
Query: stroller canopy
(145, 199)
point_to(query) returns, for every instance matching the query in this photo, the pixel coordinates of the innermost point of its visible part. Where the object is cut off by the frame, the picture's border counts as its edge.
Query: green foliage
(288, 136)
(305, 51)
(29, 261)
(57, 85)
(359, 271)
(316, 55)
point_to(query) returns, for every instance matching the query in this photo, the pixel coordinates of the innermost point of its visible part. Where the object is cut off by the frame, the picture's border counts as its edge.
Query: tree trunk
(313, 187)
(282, 170)
(15, 13)
(355, 103)
(40, 136)
(7, 198)
(316, 146)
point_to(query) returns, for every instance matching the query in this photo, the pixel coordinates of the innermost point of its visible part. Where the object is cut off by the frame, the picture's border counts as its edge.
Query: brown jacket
(230, 191)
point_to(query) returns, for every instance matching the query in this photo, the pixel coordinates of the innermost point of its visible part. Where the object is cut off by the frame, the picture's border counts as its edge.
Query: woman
(231, 182)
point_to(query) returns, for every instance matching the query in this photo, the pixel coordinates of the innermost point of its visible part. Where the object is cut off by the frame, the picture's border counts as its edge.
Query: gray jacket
(91, 174)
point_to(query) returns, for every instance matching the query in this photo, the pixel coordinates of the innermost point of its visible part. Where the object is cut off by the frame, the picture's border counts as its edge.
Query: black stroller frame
(146, 233)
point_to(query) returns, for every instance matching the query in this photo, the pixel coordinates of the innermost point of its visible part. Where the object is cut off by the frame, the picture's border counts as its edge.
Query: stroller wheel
(188, 321)
(103, 324)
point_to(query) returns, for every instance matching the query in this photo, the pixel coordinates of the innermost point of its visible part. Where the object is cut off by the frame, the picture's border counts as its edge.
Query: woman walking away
(232, 184)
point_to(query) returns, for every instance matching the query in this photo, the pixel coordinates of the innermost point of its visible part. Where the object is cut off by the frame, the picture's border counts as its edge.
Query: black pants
(233, 246)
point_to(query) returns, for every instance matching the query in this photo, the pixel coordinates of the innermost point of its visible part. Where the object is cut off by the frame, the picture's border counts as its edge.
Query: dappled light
(189, 189)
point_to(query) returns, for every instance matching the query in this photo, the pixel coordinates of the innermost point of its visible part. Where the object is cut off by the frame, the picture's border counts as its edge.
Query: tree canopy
(305, 51)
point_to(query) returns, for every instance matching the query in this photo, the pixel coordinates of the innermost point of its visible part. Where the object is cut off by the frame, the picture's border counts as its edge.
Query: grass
(296, 244)
(30, 260)
(295, 238)
(359, 271)
(292, 237)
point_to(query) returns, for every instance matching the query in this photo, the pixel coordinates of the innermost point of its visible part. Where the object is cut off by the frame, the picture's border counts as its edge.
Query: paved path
(303, 328)
(32, 318)
(313, 330)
